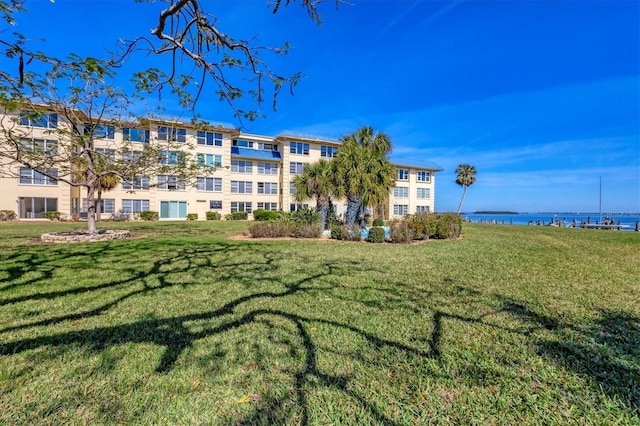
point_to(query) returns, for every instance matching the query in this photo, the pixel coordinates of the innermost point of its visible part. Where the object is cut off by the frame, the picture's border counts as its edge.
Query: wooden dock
(613, 226)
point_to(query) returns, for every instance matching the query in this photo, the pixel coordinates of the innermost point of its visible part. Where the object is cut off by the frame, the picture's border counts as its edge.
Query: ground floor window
(422, 209)
(173, 209)
(400, 209)
(33, 207)
(294, 207)
(268, 206)
(107, 205)
(135, 206)
(241, 206)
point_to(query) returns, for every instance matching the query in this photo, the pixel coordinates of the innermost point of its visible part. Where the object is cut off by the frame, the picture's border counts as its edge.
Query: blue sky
(543, 97)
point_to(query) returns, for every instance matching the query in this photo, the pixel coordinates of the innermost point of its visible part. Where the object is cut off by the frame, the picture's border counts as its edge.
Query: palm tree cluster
(361, 172)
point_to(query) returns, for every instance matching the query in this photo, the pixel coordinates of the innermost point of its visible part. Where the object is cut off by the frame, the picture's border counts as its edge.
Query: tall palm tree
(317, 181)
(363, 170)
(465, 177)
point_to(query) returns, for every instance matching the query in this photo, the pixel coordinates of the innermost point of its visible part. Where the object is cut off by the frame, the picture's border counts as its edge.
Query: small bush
(7, 215)
(264, 215)
(149, 215)
(306, 215)
(400, 232)
(306, 230)
(346, 233)
(269, 230)
(211, 215)
(376, 235)
(54, 215)
(378, 222)
(192, 216)
(237, 216)
(449, 226)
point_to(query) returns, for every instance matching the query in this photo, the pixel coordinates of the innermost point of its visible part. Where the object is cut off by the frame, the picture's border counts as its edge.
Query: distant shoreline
(494, 212)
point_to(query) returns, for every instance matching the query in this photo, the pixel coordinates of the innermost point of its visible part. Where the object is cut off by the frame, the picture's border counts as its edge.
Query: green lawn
(181, 325)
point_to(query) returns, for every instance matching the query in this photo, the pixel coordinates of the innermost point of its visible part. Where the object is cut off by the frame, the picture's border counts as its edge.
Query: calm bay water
(628, 221)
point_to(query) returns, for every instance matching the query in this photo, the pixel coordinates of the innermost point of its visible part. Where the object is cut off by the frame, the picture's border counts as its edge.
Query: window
(172, 134)
(400, 209)
(209, 184)
(209, 138)
(268, 206)
(48, 147)
(401, 192)
(135, 206)
(264, 146)
(424, 176)
(296, 168)
(295, 207)
(292, 189)
(268, 188)
(241, 166)
(173, 209)
(241, 206)
(34, 208)
(241, 143)
(424, 193)
(46, 121)
(136, 183)
(299, 148)
(135, 135)
(241, 187)
(403, 174)
(131, 156)
(328, 151)
(100, 131)
(209, 160)
(34, 177)
(172, 183)
(171, 158)
(106, 153)
(267, 168)
(422, 209)
(107, 205)
(215, 204)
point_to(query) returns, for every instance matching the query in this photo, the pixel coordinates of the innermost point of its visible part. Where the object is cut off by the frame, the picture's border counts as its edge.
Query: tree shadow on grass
(606, 351)
(175, 333)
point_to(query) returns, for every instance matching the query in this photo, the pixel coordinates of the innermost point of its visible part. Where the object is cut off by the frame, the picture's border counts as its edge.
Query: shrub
(306, 230)
(54, 215)
(376, 235)
(211, 215)
(400, 232)
(346, 233)
(449, 226)
(378, 222)
(417, 230)
(237, 216)
(269, 230)
(306, 215)
(192, 216)
(265, 214)
(148, 215)
(7, 215)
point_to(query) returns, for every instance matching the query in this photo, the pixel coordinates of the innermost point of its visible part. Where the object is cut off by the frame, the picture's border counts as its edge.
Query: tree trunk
(91, 209)
(323, 205)
(462, 199)
(353, 208)
(99, 204)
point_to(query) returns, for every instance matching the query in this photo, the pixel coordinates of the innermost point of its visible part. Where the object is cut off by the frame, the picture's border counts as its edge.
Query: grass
(182, 325)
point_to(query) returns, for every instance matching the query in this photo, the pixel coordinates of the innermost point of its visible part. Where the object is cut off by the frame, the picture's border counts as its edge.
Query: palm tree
(465, 177)
(363, 170)
(317, 181)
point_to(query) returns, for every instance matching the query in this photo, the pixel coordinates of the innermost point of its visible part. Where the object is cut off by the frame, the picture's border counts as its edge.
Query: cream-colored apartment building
(251, 172)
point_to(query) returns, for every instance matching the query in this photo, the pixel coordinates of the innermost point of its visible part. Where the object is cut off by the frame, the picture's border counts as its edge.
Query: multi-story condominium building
(251, 172)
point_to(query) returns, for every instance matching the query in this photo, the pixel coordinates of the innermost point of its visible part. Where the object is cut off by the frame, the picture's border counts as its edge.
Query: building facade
(251, 172)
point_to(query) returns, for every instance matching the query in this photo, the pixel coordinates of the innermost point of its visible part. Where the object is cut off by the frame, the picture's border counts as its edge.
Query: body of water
(627, 221)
